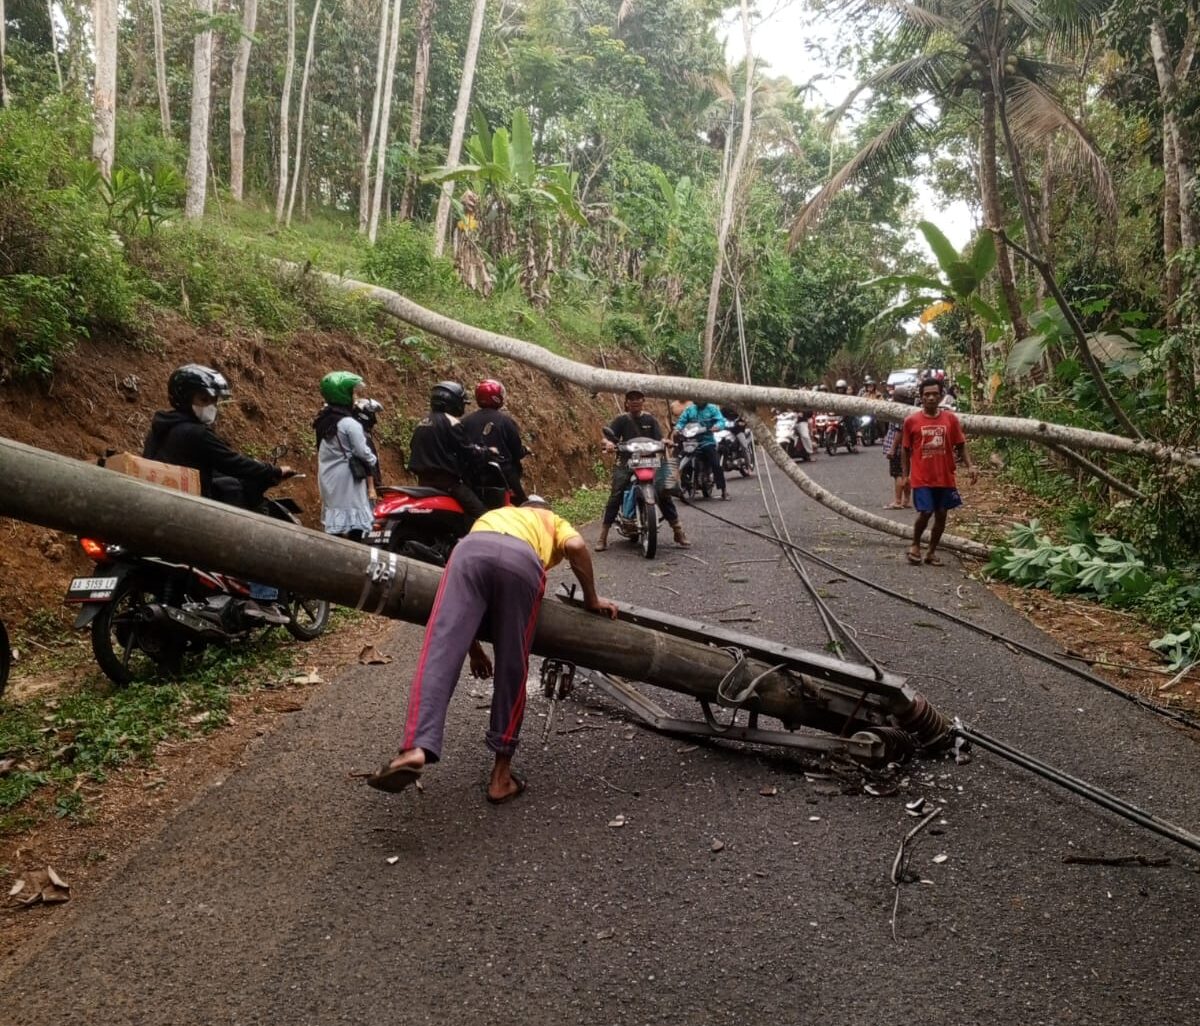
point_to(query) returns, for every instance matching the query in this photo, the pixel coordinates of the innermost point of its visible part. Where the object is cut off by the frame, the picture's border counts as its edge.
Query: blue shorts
(932, 500)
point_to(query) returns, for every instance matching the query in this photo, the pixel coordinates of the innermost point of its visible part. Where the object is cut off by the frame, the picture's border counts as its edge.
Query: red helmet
(489, 395)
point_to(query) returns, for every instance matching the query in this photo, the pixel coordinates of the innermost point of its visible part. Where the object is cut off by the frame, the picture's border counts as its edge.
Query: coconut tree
(978, 55)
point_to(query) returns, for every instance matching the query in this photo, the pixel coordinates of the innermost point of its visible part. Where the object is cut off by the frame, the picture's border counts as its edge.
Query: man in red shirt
(930, 441)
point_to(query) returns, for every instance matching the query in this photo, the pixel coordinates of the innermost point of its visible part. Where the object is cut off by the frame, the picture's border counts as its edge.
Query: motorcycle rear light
(95, 550)
(377, 525)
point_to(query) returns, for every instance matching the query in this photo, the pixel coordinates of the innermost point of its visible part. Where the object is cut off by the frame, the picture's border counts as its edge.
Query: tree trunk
(364, 187)
(1179, 380)
(595, 379)
(197, 163)
(417, 111)
(385, 117)
(729, 196)
(237, 100)
(4, 52)
(442, 221)
(104, 92)
(308, 56)
(989, 194)
(53, 41)
(1168, 89)
(285, 105)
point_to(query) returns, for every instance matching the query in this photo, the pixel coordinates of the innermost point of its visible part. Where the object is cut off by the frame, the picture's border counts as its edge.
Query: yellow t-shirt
(545, 532)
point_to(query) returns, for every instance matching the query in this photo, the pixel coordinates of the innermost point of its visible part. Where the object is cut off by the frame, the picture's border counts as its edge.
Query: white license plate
(93, 584)
(635, 464)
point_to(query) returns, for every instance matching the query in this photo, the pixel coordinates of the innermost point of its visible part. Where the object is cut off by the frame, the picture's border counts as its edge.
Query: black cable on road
(1080, 787)
(1036, 653)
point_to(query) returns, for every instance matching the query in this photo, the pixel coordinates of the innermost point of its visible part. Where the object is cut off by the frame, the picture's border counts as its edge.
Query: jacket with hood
(180, 438)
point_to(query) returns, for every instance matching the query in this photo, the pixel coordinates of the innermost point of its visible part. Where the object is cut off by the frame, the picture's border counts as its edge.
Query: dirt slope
(104, 396)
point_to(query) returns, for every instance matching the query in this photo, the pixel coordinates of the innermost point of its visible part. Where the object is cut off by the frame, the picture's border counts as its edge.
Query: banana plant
(518, 202)
(957, 287)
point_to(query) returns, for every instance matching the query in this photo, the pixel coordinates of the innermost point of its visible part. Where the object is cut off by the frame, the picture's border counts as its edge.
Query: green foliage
(402, 259)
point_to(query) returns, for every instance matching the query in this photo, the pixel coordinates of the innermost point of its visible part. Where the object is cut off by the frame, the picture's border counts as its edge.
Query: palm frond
(1069, 24)
(929, 71)
(892, 149)
(1035, 113)
(625, 10)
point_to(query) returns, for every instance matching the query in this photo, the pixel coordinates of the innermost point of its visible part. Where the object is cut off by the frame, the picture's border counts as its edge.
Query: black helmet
(448, 397)
(186, 381)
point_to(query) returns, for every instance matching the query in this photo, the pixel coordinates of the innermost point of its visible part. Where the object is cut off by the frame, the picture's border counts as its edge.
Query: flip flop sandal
(934, 561)
(394, 779)
(519, 781)
(893, 505)
(913, 560)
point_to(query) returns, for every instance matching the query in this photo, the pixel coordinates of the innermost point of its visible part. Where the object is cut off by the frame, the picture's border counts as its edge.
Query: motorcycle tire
(869, 436)
(706, 487)
(831, 444)
(647, 528)
(307, 618)
(116, 643)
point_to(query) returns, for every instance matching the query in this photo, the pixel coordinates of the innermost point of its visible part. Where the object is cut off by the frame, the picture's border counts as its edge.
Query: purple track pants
(491, 579)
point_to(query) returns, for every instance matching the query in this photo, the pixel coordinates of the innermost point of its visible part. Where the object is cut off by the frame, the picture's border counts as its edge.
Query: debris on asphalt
(717, 845)
(371, 656)
(310, 676)
(617, 822)
(392, 860)
(814, 819)
(1117, 860)
(768, 792)
(606, 934)
(685, 749)
(915, 807)
(939, 859)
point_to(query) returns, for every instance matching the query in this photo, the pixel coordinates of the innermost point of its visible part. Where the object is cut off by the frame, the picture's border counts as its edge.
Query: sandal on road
(933, 561)
(893, 505)
(913, 558)
(520, 789)
(394, 779)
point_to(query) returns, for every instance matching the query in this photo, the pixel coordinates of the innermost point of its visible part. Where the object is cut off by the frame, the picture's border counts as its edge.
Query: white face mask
(205, 414)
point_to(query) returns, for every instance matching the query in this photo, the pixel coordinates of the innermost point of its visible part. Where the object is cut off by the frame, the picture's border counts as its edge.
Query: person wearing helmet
(440, 455)
(344, 459)
(490, 427)
(702, 412)
(366, 412)
(183, 435)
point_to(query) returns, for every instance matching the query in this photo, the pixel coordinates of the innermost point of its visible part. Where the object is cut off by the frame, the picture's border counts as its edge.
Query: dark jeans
(620, 481)
(712, 457)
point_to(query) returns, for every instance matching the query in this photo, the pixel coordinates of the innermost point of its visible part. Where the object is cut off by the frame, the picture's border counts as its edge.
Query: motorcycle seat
(413, 491)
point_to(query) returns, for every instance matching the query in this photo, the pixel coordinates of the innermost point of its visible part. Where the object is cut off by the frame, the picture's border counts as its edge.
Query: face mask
(205, 414)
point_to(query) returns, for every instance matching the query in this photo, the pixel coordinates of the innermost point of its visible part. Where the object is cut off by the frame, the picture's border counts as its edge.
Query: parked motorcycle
(148, 614)
(870, 430)
(695, 475)
(426, 523)
(832, 431)
(735, 448)
(637, 516)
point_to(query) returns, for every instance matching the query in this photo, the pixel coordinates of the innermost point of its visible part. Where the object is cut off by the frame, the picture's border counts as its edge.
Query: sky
(802, 45)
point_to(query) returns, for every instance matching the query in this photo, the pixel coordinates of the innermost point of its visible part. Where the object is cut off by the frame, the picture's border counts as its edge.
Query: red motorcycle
(832, 431)
(426, 523)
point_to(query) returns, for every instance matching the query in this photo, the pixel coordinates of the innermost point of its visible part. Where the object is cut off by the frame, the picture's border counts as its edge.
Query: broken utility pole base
(841, 707)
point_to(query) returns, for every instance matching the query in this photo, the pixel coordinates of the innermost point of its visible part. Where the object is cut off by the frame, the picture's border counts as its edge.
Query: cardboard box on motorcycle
(167, 475)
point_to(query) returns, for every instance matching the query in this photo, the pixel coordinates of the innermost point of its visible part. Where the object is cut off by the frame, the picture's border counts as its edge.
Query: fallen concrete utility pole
(799, 688)
(744, 396)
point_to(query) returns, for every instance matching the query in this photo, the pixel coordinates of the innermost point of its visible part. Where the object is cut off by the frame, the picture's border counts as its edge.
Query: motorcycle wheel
(647, 528)
(830, 443)
(746, 466)
(307, 618)
(126, 649)
(869, 436)
(706, 487)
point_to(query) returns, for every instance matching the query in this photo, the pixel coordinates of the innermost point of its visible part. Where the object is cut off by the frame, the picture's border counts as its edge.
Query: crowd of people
(496, 575)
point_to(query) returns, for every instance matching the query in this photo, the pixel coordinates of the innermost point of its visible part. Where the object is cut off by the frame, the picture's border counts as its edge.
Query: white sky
(802, 45)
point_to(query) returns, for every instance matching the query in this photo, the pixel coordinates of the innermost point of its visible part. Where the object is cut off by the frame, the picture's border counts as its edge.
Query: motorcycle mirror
(609, 433)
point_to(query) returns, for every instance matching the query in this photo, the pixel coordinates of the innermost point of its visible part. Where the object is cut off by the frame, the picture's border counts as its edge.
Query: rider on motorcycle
(491, 428)
(705, 413)
(842, 387)
(440, 455)
(183, 435)
(635, 422)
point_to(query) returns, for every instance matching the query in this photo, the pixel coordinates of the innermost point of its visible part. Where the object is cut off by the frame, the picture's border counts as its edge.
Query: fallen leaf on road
(617, 823)
(717, 845)
(309, 677)
(42, 886)
(685, 749)
(768, 792)
(393, 859)
(371, 656)
(606, 934)
(939, 859)
(814, 819)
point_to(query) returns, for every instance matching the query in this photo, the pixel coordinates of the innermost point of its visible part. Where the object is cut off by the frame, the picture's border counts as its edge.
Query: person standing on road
(930, 441)
(709, 415)
(497, 575)
(490, 427)
(635, 422)
(440, 455)
(345, 459)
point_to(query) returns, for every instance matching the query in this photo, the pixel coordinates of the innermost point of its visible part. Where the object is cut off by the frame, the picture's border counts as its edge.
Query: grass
(584, 504)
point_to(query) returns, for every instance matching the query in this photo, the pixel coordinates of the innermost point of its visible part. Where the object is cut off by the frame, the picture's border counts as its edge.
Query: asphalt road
(272, 899)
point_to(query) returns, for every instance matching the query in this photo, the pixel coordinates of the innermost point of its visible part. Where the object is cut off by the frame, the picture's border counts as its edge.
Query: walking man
(931, 441)
(496, 575)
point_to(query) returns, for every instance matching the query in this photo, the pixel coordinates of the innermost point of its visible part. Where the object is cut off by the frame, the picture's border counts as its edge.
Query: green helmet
(337, 388)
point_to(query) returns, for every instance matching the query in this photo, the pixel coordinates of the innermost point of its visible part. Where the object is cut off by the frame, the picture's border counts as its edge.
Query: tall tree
(160, 68)
(104, 90)
(53, 40)
(364, 184)
(385, 115)
(285, 105)
(442, 221)
(730, 194)
(3, 55)
(197, 162)
(237, 99)
(417, 110)
(308, 57)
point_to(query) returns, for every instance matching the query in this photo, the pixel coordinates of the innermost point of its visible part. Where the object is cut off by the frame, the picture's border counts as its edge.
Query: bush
(402, 259)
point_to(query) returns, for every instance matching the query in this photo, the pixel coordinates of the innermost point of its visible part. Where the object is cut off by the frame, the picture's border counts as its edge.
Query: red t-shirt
(930, 442)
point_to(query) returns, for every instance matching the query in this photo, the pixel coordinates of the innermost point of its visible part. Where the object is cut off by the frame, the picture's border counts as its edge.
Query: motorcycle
(148, 614)
(694, 474)
(637, 516)
(870, 430)
(793, 435)
(735, 448)
(832, 431)
(426, 523)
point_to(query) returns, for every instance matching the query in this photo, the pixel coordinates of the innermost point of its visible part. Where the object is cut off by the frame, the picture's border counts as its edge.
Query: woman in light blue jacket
(344, 459)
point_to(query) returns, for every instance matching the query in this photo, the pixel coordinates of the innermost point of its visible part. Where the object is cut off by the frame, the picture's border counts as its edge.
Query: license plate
(91, 589)
(649, 462)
